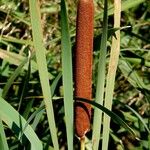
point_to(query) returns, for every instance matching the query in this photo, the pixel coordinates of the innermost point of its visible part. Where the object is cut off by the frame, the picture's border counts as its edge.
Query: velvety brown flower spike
(83, 65)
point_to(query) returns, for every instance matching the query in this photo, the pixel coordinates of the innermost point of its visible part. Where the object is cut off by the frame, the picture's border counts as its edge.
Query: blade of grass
(15, 40)
(13, 77)
(67, 74)
(39, 110)
(39, 114)
(11, 57)
(16, 16)
(17, 59)
(25, 85)
(100, 82)
(16, 123)
(28, 109)
(138, 61)
(42, 67)
(55, 82)
(114, 57)
(3, 140)
(23, 62)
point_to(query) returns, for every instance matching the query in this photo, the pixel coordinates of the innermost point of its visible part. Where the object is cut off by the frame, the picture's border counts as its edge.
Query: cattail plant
(83, 65)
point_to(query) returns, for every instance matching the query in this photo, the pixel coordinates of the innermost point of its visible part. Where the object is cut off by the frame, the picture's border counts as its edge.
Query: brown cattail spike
(83, 65)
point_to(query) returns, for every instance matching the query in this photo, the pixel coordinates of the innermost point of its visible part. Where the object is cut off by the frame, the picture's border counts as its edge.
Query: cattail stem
(82, 142)
(83, 65)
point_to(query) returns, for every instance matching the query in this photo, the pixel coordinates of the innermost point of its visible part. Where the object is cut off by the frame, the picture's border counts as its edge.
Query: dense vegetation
(21, 87)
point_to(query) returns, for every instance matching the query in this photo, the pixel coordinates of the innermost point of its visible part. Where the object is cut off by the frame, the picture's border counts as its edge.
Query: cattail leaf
(97, 121)
(42, 67)
(67, 74)
(112, 68)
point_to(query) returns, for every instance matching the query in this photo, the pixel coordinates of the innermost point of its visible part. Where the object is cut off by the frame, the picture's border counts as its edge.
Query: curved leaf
(16, 123)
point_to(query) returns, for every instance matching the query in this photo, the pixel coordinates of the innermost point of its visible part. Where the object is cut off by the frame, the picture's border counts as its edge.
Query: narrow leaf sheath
(83, 65)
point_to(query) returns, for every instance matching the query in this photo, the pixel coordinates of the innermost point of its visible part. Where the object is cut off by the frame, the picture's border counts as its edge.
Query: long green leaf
(16, 123)
(114, 57)
(24, 89)
(67, 74)
(100, 81)
(42, 67)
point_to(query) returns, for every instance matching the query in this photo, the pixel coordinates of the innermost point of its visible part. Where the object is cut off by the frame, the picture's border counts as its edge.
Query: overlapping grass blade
(13, 77)
(100, 81)
(55, 82)
(3, 140)
(138, 61)
(11, 57)
(40, 112)
(114, 57)
(15, 40)
(28, 109)
(24, 89)
(17, 59)
(15, 15)
(67, 74)
(42, 67)
(16, 123)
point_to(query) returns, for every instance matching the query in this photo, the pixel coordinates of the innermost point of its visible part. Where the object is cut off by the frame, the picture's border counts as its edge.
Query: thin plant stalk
(82, 144)
(114, 57)
(100, 82)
